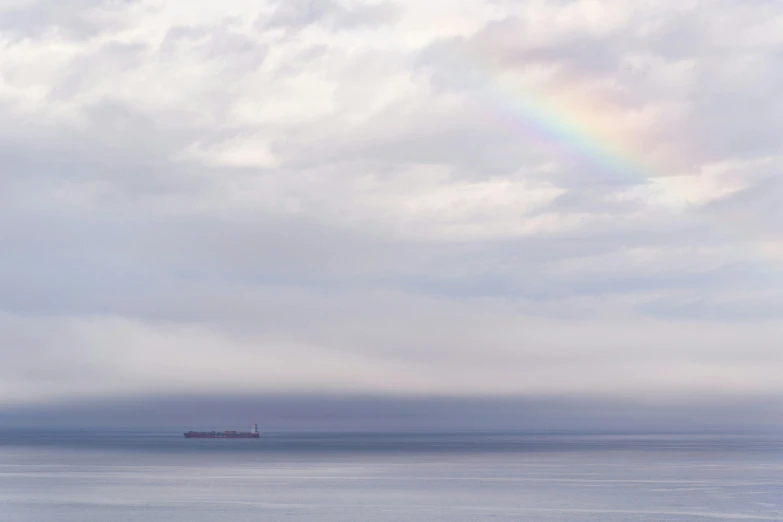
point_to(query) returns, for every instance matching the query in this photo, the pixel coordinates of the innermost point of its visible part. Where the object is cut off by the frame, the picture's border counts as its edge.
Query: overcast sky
(459, 197)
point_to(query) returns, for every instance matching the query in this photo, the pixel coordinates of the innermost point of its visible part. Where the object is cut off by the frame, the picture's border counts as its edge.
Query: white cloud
(418, 345)
(441, 196)
(246, 151)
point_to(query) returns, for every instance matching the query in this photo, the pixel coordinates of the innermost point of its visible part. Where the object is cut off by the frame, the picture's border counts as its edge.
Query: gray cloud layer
(327, 413)
(389, 197)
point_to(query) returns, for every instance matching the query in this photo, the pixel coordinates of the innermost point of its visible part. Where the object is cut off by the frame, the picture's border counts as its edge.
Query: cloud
(389, 198)
(336, 412)
(79, 19)
(293, 340)
(298, 14)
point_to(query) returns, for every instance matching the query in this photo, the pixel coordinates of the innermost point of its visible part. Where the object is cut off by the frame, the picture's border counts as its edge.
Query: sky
(462, 198)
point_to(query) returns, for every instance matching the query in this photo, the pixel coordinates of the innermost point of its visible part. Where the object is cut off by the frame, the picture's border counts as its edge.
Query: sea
(158, 476)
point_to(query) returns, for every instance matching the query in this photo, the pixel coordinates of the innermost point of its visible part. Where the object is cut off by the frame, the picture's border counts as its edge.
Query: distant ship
(223, 434)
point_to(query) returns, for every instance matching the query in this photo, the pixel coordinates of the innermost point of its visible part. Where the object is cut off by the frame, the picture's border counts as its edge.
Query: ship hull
(219, 435)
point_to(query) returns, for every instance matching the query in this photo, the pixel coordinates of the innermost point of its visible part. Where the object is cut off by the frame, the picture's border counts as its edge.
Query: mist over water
(352, 413)
(570, 476)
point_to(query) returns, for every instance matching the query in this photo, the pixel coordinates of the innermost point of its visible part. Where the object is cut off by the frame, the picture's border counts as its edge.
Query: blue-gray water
(151, 477)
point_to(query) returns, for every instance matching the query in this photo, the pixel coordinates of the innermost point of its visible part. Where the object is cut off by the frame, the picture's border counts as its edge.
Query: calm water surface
(154, 476)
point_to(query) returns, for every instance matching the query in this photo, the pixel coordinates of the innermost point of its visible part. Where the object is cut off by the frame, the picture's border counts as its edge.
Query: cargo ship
(223, 434)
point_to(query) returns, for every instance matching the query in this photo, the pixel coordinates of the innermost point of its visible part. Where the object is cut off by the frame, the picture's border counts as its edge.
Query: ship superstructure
(228, 434)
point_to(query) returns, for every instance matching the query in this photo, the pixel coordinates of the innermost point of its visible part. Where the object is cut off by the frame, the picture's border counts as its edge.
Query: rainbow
(570, 118)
